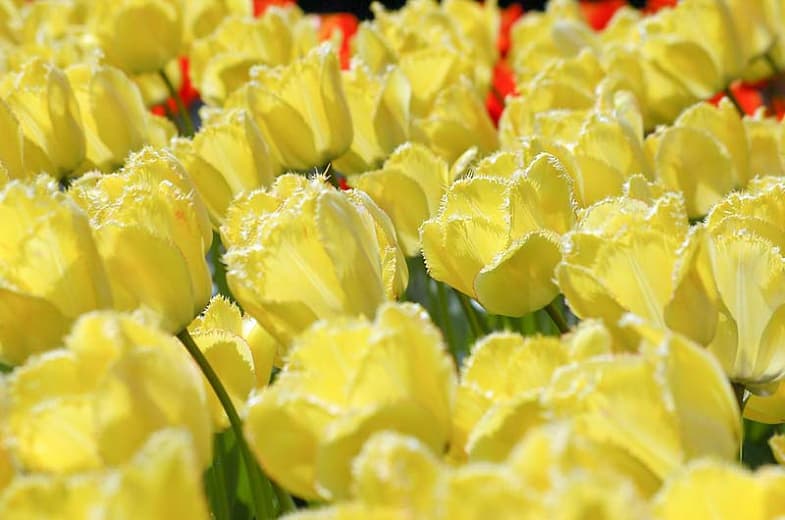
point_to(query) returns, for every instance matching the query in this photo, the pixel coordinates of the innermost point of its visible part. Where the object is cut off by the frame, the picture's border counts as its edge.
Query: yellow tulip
(116, 121)
(302, 251)
(41, 98)
(380, 110)
(95, 402)
(713, 489)
(138, 36)
(665, 406)
(12, 147)
(496, 236)
(221, 62)
(152, 236)
(414, 173)
(501, 384)
(622, 258)
(50, 269)
(226, 157)
(344, 380)
(201, 17)
(139, 489)
(769, 409)
(767, 145)
(301, 109)
(240, 352)
(704, 155)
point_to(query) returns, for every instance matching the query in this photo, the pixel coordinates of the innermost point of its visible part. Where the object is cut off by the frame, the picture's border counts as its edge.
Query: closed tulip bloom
(241, 353)
(302, 251)
(300, 108)
(42, 100)
(221, 62)
(50, 269)
(226, 157)
(138, 35)
(496, 236)
(412, 172)
(704, 155)
(116, 121)
(344, 380)
(152, 237)
(95, 402)
(380, 110)
(140, 488)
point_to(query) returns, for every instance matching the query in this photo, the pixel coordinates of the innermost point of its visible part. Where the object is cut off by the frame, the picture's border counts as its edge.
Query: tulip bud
(239, 351)
(50, 270)
(344, 380)
(41, 98)
(153, 239)
(138, 35)
(225, 158)
(302, 251)
(412, 173)
(301, 109)
(116, 121)
(380, 115)
(496, 236)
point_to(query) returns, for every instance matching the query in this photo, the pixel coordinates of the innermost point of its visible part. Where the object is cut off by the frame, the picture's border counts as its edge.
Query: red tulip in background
(598, 14)
(346, 23)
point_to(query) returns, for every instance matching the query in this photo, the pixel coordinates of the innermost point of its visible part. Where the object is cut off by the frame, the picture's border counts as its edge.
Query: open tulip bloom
(453, 261)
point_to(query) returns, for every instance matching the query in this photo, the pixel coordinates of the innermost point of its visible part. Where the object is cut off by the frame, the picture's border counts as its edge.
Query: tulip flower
(115, 119)
(704, 155)
(139, 489)
(302, 251)
(12, 149)
(344, 380)
(138, 36)
(766, 140)
(413, 172)
(301, 109)
(380, 110)
(228, 156)
(50, 269)
(496, 235)
(42, 100)
(238, 349)
(152, 236)
(97, 401)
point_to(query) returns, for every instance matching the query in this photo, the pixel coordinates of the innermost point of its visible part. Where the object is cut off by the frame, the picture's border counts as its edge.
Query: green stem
(285, 501)
(770, 61)
(735, 101)
(260, 511)
(471, 314)
(181, 108)
(557, 318)
(444, 313)
(217, 474)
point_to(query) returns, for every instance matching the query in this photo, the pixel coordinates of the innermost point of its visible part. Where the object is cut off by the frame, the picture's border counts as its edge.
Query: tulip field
(458, 260)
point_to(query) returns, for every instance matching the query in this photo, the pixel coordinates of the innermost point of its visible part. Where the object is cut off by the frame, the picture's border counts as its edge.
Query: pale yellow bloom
(412, 173)
(41, 99)
(300, 108)
(302, 250)
(226, 157)
(496, 235)
(138, 35)
(116, 121)
(50, 269)
(344, 380)
(240, 352)
(152, 236)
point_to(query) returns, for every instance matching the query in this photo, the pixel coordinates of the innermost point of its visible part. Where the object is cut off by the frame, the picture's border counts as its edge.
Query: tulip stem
(260, 511)
(444, 312)
(729, 95)
(557, 317)
(181, 108)
(741, 395)
(471, 314)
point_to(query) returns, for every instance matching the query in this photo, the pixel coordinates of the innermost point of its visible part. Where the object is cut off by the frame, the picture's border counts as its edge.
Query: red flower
(347, 24)
(652, 6)
(503, 86)
(187, 92)
(747, 95)
(599, 13)
(508, 17)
